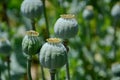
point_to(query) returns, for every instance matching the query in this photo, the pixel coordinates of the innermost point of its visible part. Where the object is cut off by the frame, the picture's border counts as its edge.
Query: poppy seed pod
(53, 54)
(31, 43)
(116, 69)
(66, 26)
(115, 12)
(32, 8)
(5, 46)
(88, 12)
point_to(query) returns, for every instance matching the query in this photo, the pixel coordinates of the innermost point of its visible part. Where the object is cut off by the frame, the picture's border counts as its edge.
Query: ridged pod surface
(88, 12)
(31, 43)
(115, 12)
(53, 54)
(5, 46)
(66, 26)
(32, 8)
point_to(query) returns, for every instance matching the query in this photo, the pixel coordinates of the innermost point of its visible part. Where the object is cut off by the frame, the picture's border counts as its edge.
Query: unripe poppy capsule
(116, 69)
(88, 12)
(66, 26)
(53, 54)
(31, 43)
(32, 8)
(5, 46)
(115, 12)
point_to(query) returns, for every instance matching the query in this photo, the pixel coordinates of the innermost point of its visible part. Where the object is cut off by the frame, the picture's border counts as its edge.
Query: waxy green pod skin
(66, 27)
(32, 8)
(115, 12)
(5, 47)
(88, 13)
(53, 55)
(30, 45)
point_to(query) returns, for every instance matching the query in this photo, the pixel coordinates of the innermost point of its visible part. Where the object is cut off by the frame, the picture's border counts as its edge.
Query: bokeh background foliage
(89, 59)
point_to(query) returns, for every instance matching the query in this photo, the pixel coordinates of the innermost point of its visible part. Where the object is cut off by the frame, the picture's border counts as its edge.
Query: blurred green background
(90, 59)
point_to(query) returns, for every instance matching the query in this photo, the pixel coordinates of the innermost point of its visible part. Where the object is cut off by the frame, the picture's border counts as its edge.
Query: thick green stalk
(8, 66)
(52, 74)
(0, 75)
(29, 69)
(5, 17)
(46, 19)
(33, 24)
(115, 38)
(67, 69)
(67, 64)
